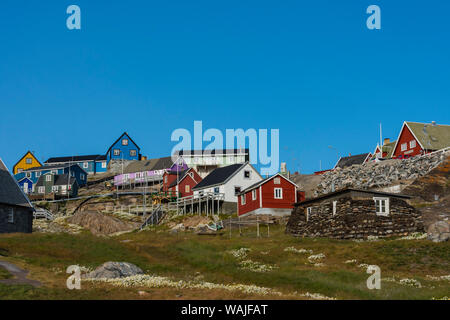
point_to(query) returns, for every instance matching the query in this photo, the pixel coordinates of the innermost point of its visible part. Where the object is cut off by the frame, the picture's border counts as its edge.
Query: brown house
(354, 214)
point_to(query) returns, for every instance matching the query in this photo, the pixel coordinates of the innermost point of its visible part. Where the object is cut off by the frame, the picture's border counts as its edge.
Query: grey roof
(212, 151)
(351, 160)
(149, 165)
(10, 192)
(219, 176)
(63, 179)
(94, 157)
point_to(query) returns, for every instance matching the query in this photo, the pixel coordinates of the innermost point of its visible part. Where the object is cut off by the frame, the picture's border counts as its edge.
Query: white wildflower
(314, 258)
(292, 249)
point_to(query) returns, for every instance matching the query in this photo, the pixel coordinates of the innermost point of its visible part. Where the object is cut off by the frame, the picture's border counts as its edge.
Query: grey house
(16, 211)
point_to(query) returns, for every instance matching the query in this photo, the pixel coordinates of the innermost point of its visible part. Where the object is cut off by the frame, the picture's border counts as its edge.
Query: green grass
(184, 255)
(4, 274)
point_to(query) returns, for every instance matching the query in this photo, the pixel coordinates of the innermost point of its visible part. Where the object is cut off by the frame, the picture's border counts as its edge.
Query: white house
(229, 180)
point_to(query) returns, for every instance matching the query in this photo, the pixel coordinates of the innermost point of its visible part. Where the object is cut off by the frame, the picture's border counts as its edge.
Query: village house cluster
(220, 181)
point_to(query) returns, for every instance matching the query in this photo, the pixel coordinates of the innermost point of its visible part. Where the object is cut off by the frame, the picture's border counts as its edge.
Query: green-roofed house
(385, 152)
(420, 138)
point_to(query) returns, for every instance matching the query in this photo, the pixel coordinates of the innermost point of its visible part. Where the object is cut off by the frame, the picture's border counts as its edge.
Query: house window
(381, 206)
(404, 146)
(216, 190)
(412, 144)
(166, 179)
(48, 177)
(38, 174)
(187, 188)
(41, 189)
(55, 188)
(85, 165)
(132, 153)
(11, 215)
(277, 180)
(308, 213)
(28, 174)
(334, 207)
(237, 190)
(116, 152)
(278, 193)
(29, 161)
(82, 176)
(243, 199)
(103, 164)
(247, 174)
(125, 142)
(254, 194)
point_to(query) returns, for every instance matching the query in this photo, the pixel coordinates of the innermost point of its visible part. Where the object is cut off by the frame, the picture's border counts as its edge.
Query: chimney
(386, 141)
(144, 158)
(349, 154)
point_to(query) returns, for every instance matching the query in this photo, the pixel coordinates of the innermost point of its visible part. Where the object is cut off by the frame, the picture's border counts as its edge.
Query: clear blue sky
(309, 68)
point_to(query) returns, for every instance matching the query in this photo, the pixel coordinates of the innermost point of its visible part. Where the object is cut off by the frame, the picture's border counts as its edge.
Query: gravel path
(20, 276)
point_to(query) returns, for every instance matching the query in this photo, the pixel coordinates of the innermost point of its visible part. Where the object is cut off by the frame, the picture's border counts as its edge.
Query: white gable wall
(238, 180)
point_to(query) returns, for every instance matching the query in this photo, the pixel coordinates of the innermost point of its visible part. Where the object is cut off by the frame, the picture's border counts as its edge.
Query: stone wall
(23, 219)
(375, 175)
(354, 219)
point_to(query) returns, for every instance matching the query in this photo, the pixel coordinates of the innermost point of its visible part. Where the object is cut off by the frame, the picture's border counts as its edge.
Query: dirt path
(20, 276)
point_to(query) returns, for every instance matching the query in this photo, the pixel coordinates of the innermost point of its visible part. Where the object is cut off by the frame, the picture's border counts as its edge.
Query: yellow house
(26, 162)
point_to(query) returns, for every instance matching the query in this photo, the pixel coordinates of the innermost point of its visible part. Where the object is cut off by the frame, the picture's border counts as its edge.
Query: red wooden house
(187, 180)
(420, 138)
(275, 195)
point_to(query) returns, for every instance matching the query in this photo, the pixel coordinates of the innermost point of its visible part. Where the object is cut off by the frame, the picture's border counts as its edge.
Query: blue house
(74, 170)
(26, 185)
(92, 164)
(124, 148)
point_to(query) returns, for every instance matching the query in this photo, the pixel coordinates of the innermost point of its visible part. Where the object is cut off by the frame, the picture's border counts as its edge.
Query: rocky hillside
(379, 174)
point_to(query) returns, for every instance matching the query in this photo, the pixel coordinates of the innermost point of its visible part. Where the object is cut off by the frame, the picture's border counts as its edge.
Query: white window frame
(85, 165)
(249, 174)
(243, 199)
(133, 153)
(55, 188)
(11, 215)
(28, 174)
(187, 188)
(378, 208)
(334, 207)
(103, 164)
(29, 160)
(412, 144)
(116, 152)
(254, 194)
(216, 190)
(38, 174)
(404, 146)
(82, 176)
(308, 212)
(48, 178)
(275, 196)
(277, 180)
(41, 189)
(125, 142)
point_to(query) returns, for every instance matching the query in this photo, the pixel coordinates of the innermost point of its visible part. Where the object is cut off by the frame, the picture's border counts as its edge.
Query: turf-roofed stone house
(74, 170)
(28, 161)
(16, 211)
(205, 161)
(354, 214)
(181, 183)
(275, 196)
(358, 159)
(92, 164)
(147, 172)
(229, 181)
(124, 148)
(421, 138)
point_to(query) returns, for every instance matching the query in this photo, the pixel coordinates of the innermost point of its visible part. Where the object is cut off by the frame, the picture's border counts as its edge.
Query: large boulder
(439, 231)
(112, 270)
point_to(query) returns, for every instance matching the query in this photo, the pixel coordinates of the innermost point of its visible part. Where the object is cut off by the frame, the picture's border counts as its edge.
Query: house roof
(347, 190)
(123, 134)
(213, 152)
(387, 147)
(63, 179)
(259, 183)
(94, 157)
(351, 160)
(10, 192)
(219, 175)
(149, 165)
(181, 175)
(430, 136)
(53, 166)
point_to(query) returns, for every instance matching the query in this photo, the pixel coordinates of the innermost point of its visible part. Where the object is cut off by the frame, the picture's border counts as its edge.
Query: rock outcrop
(112, 270)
